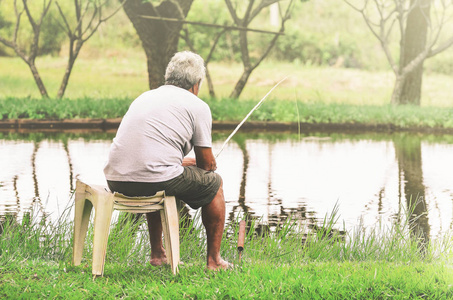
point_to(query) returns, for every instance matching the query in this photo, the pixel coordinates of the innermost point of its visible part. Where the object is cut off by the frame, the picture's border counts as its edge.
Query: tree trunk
(159, 38)
(397, 88)
(239, 87)
(415, 38)
(38, 80)
(243, 42)
(210, 84)
(71, 61)
(64, 81)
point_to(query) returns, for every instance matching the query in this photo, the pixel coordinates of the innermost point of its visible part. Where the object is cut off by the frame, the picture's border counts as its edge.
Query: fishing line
(247, 116)
(298, 116)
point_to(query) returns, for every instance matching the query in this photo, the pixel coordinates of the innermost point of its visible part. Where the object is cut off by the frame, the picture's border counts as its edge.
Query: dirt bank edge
(112, 124)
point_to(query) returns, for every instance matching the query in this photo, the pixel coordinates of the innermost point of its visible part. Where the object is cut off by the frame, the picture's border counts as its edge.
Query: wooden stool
(104, 202)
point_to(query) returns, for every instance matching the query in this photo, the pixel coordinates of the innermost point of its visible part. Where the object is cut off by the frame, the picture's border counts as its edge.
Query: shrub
(316, 49)
(52, 36)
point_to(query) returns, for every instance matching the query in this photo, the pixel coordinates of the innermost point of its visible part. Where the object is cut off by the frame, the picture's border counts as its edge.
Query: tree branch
(415, 62)
(228, 27)
(401, 21)
(18, 17)
(68, 28)
(383, 34)
(274, 39)
(80, 16)
(81, 33)
(233, 13)
(180, 12)
(263, 4)
(441, 48)
(115, 11)
(6, 43)
(249, 67)
(360, 10)
(100, 20)
(45, 11)
(95, 14)
(216, 40)
(441, 23)
(30, 17)
(245, 20)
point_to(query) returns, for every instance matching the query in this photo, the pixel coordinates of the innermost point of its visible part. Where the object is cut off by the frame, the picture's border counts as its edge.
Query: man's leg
(213, 216)
(158, 256)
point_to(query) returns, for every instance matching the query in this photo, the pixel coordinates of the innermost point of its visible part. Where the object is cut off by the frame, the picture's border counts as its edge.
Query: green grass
(95, 108)
(126, 77)
(104, 88)
(235, 110)
(318, 112)
(289, 262)
(316, 280)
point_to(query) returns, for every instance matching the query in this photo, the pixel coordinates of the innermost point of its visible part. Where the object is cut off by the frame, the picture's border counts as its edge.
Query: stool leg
(103, 216)
(171, 227)
(82, 212)
(163, 218)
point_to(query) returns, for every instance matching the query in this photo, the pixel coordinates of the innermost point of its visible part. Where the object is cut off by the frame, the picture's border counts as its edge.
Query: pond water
(269, 176)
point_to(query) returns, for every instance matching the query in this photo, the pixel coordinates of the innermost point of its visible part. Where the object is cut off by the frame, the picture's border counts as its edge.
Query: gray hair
(185, 69)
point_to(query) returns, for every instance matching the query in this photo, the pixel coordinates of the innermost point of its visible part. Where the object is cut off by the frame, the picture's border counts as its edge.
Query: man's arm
(205, 158)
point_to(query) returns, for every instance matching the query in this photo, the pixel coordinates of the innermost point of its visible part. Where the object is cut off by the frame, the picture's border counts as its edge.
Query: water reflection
(268, 177)
(409, 156)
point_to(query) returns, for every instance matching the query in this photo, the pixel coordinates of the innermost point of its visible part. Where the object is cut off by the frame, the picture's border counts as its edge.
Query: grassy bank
(104, 87)
(289, 262)
(316, 280)
(235, 110)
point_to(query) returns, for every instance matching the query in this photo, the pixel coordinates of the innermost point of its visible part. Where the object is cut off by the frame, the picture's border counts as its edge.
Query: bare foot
(220, 265)
(158, 260)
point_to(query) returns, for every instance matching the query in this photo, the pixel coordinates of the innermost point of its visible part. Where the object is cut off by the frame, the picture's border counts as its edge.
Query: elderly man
(147, 155)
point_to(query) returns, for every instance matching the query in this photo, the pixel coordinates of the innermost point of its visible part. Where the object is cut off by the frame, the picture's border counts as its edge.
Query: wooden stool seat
(104, 203)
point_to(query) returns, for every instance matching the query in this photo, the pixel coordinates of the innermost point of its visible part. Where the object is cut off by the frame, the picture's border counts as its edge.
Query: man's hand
(205, 159)
(189, 161)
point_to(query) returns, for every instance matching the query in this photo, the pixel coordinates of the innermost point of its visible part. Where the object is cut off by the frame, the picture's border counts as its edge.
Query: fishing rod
(247, 116)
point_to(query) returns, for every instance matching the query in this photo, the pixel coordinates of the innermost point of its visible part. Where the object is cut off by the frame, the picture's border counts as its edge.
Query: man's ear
(195, 89)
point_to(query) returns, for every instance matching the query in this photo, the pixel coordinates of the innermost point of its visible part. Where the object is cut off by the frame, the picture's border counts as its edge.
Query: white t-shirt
(159, 129)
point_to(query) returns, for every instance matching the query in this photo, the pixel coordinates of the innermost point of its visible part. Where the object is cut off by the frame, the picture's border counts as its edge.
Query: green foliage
(3, 24)
(56, 109)
(52, 36)
(316, 112)
(3, 21)
(442, 64)
(233, 110)
(312, 48)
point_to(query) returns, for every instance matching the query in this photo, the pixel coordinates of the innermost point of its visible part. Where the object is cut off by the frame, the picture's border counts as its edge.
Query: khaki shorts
(194, 186)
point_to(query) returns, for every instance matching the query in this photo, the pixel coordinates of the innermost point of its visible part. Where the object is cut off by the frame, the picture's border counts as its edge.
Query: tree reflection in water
(408, 151)
(269, 180)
